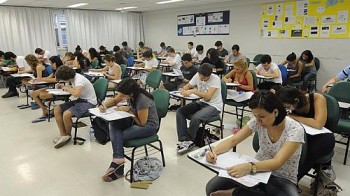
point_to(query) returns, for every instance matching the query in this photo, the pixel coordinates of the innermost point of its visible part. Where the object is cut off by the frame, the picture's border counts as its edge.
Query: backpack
(326, 184)
(101, 130)
(204, 136)
(147, 168)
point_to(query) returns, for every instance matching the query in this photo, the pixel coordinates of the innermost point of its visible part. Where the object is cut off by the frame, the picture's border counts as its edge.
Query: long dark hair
(93, 53)
(128, 86)
(309, 55)
(214, 56)
(291, 95)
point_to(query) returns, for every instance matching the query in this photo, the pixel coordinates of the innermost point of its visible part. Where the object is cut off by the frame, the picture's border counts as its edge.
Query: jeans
(120, 131)
(11, 83)
(197, 112)
(276, 186)
(306, 78)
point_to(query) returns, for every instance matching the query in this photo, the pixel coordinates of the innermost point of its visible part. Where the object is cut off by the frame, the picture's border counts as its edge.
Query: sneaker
(185, 147)
(55, 140)
(10, 94)
(63, 141)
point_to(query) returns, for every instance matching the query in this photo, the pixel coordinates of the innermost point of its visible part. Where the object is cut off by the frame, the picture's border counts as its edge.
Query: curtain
(24, 29)
(107, 28)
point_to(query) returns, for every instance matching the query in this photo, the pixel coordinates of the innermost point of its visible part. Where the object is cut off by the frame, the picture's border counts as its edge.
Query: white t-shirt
(176, 60)
(192, 51)
(151, 63)
(292, 132)
(46, 55)
(198, 56)
(272, 67)
(21, 63)
(213, 82)
(88, 91)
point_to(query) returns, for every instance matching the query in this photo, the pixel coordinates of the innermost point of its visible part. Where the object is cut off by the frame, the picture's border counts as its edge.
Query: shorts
(77, 107)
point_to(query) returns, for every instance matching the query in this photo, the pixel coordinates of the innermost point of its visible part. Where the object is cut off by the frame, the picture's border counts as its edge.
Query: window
(59, 23)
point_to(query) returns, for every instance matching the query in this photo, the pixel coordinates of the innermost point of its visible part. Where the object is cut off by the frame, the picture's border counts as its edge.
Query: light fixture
(170, 1)
(77, 5)
(2, 1)
(125, 8)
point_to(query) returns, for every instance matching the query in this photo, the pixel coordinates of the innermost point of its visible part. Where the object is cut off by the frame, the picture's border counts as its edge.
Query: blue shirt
(345, 74)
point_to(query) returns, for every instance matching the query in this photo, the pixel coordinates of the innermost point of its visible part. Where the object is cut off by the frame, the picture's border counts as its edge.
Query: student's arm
(76, 63)
(73, 91)
(227, 77)
(320, 118)
(116, 74)
(250, 85)
(300, 69)
(141, 117)
(312, 63)
(334, 80)
(275, 74)
(284, 62)
(39, 71)
(22, 70)
(187, 87)
(205, 95)
(50, 79)
(100, 70)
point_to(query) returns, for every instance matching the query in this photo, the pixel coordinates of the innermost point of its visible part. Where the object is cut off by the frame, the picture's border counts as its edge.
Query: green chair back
(257, 59)
(255, 79)
(340, 91)
(100, 87)
(123, 68)
(153, 79)
(248, 62)
(223, 91)
(317, 63)
(161, 99)
(333, 112)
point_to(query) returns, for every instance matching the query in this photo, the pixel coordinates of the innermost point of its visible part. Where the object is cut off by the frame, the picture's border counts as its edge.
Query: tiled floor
(30, 165)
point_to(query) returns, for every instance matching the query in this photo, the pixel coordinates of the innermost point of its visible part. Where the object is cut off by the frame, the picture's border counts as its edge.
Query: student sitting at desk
(235, 55)
(83, 90)
(173, 59)
(41, 94)
(199, 55)
(141, 49)
(214, 59)
(43, 55)
(280, 140)
(81, 64)
(221, 50)
(39, 70)
(311, 110)
(190, 50)
(22, 67)
(309, 68)
(344, 74)
(162, 50)
(240, 75)
(150, 63)
(68, 59)
(294, 68)
(95, 58)
(268, 69)
(111, 71)
(207, 86)
(144, 123)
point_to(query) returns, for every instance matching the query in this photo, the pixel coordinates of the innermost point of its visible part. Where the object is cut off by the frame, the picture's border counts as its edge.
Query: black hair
(78, 48)
(82, 60)
(265, 59)
(128, 86)
(1, 53)
(214, 56)
(235, 47)
(218, 43)
(147, 54)
(162, 44)
(291, 95)
(9, 55)
(141, 44)
(93, 53)
(190, 43)
(56, 60)
(171, 50)
(116, 48)
(291, 57)
(124, 43)
(186, 57)
(268, 101)
(102, 47)
(199, 48)
(65, 73)
(205, 69)
(38, 50)
(119, 59)
(309, 55)
(109, 57)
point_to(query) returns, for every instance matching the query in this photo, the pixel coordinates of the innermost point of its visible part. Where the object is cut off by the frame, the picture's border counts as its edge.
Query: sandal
(117, 172)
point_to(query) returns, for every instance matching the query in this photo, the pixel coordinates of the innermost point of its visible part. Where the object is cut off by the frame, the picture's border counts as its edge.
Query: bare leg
(36, 97)
(111, 85)
(44, 95)
(67, 121)
(59, 120)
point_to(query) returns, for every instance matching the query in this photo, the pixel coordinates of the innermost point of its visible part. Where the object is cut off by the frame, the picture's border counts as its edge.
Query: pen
(211, 150)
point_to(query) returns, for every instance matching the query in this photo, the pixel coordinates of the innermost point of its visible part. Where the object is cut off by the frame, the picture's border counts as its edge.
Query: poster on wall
(305, 19)
(210, 23)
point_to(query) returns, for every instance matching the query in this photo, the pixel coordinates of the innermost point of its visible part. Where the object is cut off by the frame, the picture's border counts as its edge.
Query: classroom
(32, 163)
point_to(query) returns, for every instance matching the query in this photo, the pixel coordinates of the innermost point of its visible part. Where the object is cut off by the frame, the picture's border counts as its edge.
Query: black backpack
(101, 129)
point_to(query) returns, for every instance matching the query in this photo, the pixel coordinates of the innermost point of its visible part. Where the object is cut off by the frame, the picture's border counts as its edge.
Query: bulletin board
(305, 19)
(210, 23)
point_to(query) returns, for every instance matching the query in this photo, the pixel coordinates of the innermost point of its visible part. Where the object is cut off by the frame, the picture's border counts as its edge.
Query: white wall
(244, 30)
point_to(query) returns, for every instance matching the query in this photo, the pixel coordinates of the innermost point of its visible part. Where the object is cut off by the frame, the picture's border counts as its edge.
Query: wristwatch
(252, 168)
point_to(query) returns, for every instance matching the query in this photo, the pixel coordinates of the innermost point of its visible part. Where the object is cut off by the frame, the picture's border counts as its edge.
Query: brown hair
(32, 61)
(241, 63)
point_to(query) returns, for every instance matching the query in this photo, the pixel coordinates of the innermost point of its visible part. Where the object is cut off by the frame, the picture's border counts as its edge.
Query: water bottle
(92, 135)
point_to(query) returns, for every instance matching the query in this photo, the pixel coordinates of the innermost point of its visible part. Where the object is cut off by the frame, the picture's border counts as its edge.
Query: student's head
(204, 71)
(109, 59)
(162, 44)
(240, 66)
(125, 44)
(141, 44)
(69, 56)
(187, 60)
(218, 45)
(119, 59)
(148, 55)
(93, 53)
(78, 48)
(171, 52)
(200, 49)
(307, 56)
(32, 61)
(291, 58)
(102, 48)
(292, 98)
(39, 51)
(190, 45)
(235, 50)
(266, 61)
(116, 49)
(10, 56)
(213, 54)
(267, 108)
(65, 73)
(1, 54)
(55, 62)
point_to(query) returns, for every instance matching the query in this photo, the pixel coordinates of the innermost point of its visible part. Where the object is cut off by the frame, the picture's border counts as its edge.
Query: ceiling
(143, 5)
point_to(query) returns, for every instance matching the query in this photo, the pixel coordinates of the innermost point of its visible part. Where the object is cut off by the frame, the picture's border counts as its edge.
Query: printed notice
(296, 33)
(266, 23)
(270, 9)
(181, 20)
(328, 19)
(314, 31)
(339, 29)
(279, 9)
(343, 16)
(310, 20)
(277, 24)
(289, 20)
(325, 31)
(200, 21)
(284, 33)
(290, 10)
(224, 29)
(215, 17)
(302, 8)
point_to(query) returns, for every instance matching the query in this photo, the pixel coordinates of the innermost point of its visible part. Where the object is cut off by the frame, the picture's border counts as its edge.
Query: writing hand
(211, 157)
(102, 108)
(239, 170)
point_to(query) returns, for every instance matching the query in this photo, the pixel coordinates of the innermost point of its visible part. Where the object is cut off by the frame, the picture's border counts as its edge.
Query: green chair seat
(141, 142)
(325, 158)
(215, 118)
(236, 104)
(343, 127)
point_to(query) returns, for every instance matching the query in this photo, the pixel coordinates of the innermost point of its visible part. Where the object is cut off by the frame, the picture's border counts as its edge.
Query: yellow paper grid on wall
(305, 19)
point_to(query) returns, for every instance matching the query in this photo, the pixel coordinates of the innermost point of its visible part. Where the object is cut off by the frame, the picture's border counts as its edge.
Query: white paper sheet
(57, 92)
(110, 114)
(312, 131)
(238, 96)
(178, 94)
(22, 75)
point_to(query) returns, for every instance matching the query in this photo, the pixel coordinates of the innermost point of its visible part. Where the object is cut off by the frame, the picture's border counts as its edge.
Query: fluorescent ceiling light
(170, 1)
(77, 5)
(2, 1)
(125, 8)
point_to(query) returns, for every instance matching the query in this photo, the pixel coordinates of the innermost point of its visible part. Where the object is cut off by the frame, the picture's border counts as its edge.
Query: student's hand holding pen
(123, 108)
(211, 157)
(102, 108)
